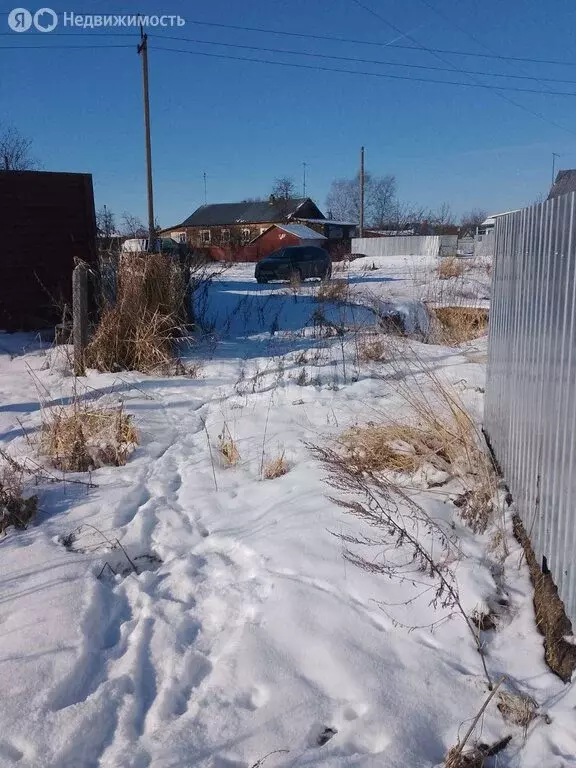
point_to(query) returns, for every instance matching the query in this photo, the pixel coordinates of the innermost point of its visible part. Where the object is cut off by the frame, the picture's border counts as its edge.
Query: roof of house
(491, 220)
(301, 231)
(331, 221)
(221, 214)
(565, 183)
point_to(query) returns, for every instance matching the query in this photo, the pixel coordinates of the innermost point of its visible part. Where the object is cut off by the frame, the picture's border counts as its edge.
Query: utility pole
(304, 180)
(143, 51)
(554, 156)
(205, 190)
(361, 227)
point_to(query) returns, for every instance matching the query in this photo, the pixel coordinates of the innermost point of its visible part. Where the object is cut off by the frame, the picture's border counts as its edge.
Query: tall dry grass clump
(333, 290)
(436, 430)
(139, 331)
(84, 436)
(460, 324)
(450, 267)
(15, 509)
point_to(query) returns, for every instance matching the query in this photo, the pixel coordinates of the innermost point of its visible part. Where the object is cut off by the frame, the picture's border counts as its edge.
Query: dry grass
(437, 431)
(374, 349)
(276, 468)
(15, 510)
(517, 710)
(399, 448)
(460, 324)
(138, 332)
(333, 290)
(472, 758)
(228, 448)
(450, 267)
(85, 436)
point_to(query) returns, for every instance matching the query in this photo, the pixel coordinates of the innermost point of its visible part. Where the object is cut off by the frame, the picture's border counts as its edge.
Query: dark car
(296, 262)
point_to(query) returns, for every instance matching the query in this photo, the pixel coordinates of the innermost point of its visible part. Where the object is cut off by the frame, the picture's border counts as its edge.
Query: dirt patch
(551, 618)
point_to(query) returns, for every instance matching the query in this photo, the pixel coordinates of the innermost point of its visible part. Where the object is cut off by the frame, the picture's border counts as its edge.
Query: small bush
(373, 349)
(15, 510)
(450, 267)
(84, 436)
(139, 331)
(333, 290)
(460, 324)
(276, 468)
(227, 447)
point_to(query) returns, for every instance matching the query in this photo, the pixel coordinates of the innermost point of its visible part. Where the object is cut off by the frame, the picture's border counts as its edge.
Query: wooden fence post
(79, 315)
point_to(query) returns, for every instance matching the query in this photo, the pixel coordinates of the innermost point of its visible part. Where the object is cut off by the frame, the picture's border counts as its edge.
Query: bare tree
(472, 219)
(133, 226)
(15, 151)
(379, 199)
(284, 188)
(105, 222)
(408, 214)
(443, 217)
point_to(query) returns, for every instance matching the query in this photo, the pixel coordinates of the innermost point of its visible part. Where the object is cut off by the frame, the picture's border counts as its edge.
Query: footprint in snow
(321, 734)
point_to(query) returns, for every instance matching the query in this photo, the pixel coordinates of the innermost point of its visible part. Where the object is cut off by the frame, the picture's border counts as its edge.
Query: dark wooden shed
(47, 220)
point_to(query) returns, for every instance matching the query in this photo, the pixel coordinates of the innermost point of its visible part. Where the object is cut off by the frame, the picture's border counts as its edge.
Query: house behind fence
(530, 414)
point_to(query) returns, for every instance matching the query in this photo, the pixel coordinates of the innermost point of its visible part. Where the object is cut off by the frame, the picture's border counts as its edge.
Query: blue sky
(245, 123)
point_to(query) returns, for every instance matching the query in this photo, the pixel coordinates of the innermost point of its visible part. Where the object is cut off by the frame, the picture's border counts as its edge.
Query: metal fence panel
(530, 413)
(410, 245)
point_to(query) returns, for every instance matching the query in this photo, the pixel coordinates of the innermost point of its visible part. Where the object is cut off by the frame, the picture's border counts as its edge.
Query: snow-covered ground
(245, 631)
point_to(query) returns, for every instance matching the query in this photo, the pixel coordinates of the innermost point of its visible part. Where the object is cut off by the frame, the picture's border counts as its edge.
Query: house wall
(48, 221)
(234, 235)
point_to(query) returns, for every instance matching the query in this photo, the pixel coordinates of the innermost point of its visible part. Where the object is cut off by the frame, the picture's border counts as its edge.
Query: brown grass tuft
(398, 448)
(15, 510)
(450, 267)
(333, 290)
(517, 710)
(227, 447)
(460, 324)
(373, 349)
(138, 332)
(85, 436)
(276, 468)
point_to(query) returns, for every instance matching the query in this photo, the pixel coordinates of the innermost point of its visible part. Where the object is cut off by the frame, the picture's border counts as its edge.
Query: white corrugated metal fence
(414, 245)
(530, 414)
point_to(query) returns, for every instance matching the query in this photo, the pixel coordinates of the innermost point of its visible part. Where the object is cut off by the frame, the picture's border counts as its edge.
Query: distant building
(247, 231)
(565, 182)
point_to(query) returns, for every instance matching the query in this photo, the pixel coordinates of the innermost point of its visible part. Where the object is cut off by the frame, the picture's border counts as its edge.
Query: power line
(449, 20)
(61, 47)
(333, 38)
(497, 91)
(330, 38)
(360, 60)
(363, 73)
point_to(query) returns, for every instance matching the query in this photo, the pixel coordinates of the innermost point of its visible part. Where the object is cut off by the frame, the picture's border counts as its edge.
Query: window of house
(246, 235)
(180, 237)
(205, 236)
(225, 236)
